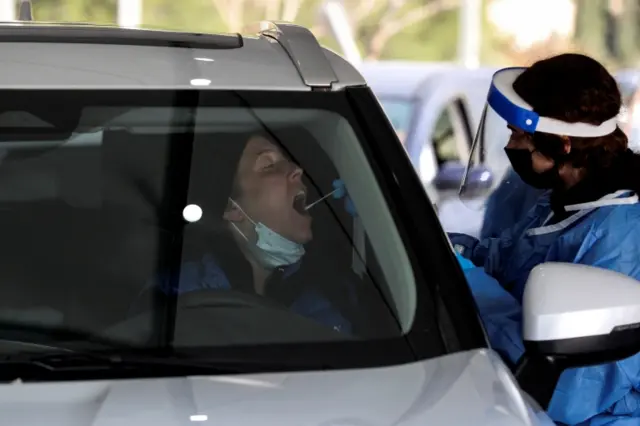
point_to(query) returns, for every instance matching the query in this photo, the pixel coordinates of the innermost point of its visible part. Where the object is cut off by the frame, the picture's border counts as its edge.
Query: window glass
(400, 113)
(185, 220)
(444, 139)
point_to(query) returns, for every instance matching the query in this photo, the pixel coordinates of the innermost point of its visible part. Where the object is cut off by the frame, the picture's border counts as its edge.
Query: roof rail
(305, 52)
(90, 34)
(24, 12)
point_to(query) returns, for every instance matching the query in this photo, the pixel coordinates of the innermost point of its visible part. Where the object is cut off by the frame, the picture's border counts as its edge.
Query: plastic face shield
(505, 109)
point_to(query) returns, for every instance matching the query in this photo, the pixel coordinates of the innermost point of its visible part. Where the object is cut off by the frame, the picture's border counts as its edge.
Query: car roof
(280, 57)
(628, 80)
(407, 76)
(628, 74)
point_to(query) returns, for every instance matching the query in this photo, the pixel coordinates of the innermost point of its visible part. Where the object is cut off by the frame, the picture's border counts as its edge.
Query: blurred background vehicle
(435, 109)
(629, 82)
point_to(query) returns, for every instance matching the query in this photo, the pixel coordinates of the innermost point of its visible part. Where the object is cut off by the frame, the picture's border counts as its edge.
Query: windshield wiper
(31, 353)
(73, 365)
(128, 364)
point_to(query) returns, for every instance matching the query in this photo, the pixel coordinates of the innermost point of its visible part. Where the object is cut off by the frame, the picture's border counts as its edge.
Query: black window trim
(438, 268)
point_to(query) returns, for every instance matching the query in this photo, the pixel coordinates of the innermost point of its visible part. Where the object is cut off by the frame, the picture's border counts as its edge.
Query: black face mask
(522, 164)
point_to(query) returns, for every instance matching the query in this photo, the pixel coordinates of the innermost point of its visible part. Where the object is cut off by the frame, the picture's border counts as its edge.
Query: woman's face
(271, 192)
(519, 139)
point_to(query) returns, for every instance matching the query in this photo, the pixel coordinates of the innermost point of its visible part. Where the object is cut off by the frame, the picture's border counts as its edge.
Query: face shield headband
(518, 113)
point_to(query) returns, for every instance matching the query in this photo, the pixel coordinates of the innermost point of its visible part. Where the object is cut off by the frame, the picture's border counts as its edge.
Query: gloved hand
(341, 192)
(463, 244)
(464, 262)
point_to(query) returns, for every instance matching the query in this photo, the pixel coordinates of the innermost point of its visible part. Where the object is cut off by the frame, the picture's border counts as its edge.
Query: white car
(112, 145)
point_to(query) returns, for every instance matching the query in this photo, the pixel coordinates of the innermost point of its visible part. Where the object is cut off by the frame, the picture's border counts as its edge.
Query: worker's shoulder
(281, 56)
(623, 216)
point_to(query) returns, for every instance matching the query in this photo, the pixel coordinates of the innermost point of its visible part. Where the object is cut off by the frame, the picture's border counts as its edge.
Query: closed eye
(266, 161)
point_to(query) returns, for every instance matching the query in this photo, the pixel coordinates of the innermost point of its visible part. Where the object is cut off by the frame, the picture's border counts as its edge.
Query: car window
(445, 138)
(159, 219)
(400, 113)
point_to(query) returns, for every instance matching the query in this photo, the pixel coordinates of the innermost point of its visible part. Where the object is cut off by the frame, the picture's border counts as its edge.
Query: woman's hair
(574, 88)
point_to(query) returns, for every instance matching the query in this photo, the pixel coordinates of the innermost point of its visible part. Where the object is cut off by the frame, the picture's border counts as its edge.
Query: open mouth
(300, 202)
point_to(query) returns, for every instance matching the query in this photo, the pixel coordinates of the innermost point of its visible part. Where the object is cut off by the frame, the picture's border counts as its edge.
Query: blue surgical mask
(271, 249)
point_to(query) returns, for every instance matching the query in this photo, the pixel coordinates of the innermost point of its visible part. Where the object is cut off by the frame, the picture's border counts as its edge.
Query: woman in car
(252, 235)
(589, 216)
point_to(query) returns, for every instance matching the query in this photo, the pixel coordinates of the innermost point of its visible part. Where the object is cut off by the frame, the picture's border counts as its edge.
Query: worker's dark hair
(575, 88)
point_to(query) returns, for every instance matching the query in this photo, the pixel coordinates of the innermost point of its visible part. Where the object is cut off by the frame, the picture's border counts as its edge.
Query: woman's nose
(296, 172)
(518, 141)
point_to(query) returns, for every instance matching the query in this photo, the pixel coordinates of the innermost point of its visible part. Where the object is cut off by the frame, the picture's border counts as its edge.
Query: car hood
(468, 388)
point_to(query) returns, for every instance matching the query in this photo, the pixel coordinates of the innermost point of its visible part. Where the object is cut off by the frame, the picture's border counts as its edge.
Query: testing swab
(322, 199)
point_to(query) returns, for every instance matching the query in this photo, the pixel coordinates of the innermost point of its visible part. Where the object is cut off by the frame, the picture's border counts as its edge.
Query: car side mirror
(575, 316)
(451, 174)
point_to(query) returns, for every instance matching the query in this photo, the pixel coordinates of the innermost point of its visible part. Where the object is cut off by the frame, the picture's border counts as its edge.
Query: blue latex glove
(341, 192)
(464, 262)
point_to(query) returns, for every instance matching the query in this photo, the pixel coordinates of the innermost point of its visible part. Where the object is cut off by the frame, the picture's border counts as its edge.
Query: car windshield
(201, 220)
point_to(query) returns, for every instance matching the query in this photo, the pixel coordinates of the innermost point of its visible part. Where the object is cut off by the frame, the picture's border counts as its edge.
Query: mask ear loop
(245, 215)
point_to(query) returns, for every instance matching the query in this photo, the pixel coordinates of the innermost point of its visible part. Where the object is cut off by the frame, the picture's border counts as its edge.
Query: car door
(450, 142)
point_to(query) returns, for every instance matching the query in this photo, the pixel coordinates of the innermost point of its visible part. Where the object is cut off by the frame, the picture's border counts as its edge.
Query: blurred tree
(95, 11)
(591, 27)
(185, 15)
(608, 30)
(554, 45)
(385, 29)
(376, 22)
(238, 15)
(626, 14)
(435, 39)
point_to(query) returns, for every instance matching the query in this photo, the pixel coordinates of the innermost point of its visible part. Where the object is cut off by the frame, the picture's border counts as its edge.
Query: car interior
(88, 218)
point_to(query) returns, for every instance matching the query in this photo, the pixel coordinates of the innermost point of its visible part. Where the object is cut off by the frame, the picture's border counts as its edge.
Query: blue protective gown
(508, 204)
(604, 233)
(500, 312)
